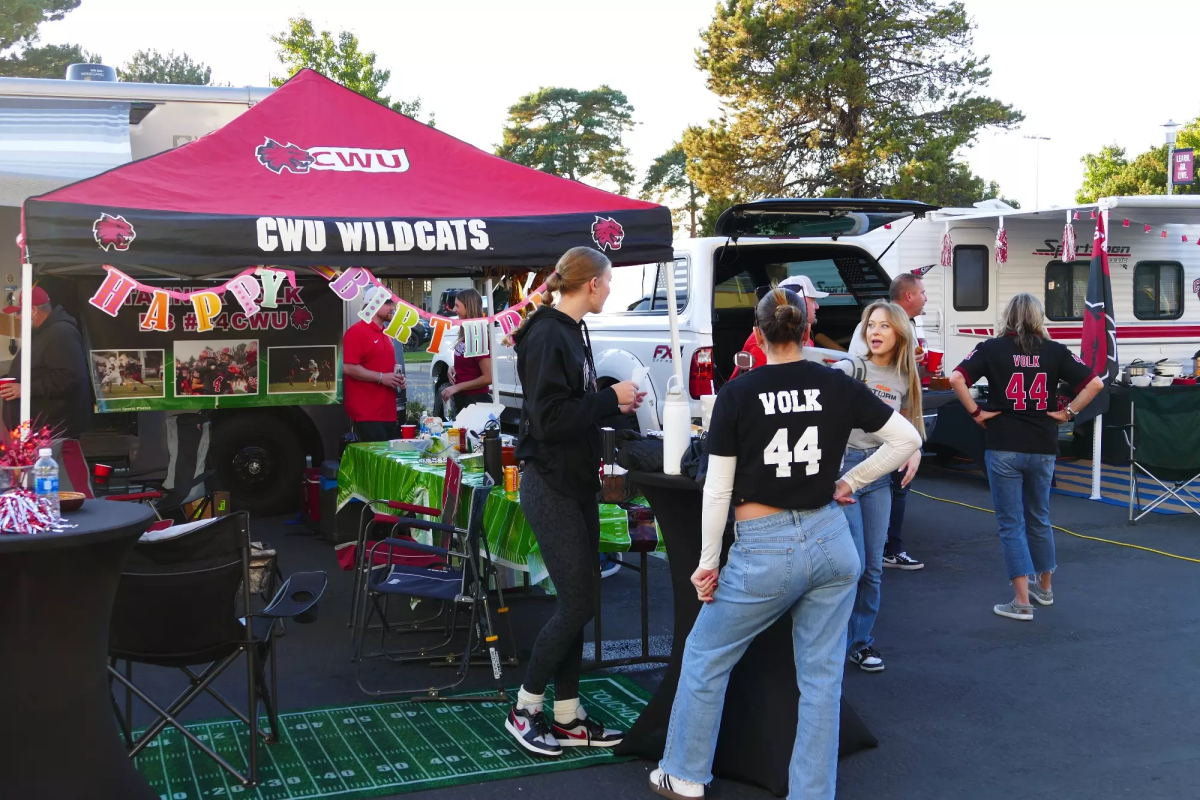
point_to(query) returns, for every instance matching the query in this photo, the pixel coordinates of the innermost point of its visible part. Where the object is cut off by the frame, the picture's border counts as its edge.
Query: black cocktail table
(758, 727)
(58, 736)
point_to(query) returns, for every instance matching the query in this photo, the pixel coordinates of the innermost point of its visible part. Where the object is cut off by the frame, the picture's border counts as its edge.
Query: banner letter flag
(439, 326)
(1001, 244)
(350, 283)
(207, 305)
(400, 328)
(1068, 244)
(112, 293)
(158, 317)
(475, 338)
(372, 306)
(247, 291)
(1099, 343)
(1146, 229)
(947, 247)
(272, 279)
(509, 320)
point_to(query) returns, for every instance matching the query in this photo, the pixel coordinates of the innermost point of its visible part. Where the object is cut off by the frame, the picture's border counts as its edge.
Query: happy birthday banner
(258, 287)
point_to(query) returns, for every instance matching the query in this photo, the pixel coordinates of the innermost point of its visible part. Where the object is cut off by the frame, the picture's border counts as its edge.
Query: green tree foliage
(1110, 173)
(20, 55)
(151, 66)
(339, 59)
(667, 180)
(855, 98)
(45, 61)
(571, 133)
(19, 19)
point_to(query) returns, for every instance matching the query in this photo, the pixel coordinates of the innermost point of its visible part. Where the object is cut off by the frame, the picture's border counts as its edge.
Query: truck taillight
(700, 378)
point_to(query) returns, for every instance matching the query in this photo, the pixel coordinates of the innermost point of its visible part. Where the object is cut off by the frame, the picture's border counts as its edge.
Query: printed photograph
(221, 367)
(128, 373)
(302, 369)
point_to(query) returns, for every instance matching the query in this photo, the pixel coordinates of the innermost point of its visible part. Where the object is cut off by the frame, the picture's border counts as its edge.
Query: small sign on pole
(1183, 167)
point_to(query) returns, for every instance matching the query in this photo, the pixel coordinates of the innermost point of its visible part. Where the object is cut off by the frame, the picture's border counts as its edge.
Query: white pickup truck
(757, 244)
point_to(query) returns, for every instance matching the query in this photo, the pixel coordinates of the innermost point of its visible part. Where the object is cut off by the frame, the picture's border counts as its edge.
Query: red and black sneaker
(532, 731)
(586, 733)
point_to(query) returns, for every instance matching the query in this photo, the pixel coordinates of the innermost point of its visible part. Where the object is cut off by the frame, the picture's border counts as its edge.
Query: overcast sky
(1084, 73)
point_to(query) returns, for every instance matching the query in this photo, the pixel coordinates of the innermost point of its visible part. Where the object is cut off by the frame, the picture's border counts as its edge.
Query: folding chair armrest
(194, 482)
(1127, 425)
(133, 497)
(408, 545)
(298, 596)
(414, 509)
(424, 524)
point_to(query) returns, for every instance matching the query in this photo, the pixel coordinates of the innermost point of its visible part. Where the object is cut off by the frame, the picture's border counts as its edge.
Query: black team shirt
(788, 425)
(1022, 387)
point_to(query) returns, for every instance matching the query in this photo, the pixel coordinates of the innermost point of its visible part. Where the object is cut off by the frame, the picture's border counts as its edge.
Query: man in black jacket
(60, 393)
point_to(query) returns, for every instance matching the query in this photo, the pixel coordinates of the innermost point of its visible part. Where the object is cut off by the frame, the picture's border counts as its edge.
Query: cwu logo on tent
(607, 233)
(113, 232)
(277, 156)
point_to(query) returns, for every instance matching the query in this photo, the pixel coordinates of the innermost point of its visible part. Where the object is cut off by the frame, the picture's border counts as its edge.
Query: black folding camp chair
(185, 602)
(1164, 447)
(462, 582)
(186, 480)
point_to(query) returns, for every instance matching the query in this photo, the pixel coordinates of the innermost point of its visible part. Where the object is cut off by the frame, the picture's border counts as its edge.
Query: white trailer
(1155, 278)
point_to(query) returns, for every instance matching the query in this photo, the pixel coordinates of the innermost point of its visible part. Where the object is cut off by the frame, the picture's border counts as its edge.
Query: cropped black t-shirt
(788, 424)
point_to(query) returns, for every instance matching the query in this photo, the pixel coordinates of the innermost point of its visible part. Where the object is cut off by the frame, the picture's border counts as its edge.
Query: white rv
(1155, 277)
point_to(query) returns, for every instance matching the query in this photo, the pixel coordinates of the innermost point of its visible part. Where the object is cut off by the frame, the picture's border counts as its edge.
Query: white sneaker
(674, 788)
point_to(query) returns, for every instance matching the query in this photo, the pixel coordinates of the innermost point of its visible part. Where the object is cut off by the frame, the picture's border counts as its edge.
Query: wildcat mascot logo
(113, 232)
(303, 160)
(607, 233)
(278, 157)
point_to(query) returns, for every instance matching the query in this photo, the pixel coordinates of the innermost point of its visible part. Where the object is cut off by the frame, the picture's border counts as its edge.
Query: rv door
(969, 292)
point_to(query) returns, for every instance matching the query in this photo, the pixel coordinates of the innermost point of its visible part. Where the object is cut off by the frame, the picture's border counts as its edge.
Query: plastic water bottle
(45, 480)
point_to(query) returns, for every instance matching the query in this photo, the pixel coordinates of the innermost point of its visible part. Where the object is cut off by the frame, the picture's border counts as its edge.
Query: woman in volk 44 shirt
(1023, 367)
(775, 447)
(560, 451)
(891, 373)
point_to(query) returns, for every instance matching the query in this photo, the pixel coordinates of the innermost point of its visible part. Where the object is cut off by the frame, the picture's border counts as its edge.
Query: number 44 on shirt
(806, 451)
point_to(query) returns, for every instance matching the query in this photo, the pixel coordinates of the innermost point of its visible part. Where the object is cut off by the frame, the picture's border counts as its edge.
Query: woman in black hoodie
(560, 451)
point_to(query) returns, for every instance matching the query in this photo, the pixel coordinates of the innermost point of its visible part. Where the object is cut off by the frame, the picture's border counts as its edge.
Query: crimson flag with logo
(1099, 347)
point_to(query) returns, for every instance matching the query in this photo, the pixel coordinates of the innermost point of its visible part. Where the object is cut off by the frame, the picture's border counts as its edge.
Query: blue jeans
(1021, 496)
(868, 519)
(798, 562)
(895, 544)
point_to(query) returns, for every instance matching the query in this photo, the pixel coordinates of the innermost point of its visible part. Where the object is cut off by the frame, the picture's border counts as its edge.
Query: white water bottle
(45, 480)
(677, 426)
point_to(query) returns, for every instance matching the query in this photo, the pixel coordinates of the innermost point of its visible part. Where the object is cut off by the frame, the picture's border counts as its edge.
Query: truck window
(643, 289)
(738, 290)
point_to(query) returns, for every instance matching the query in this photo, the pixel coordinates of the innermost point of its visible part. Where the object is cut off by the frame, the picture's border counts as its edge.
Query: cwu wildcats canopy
(316, 174)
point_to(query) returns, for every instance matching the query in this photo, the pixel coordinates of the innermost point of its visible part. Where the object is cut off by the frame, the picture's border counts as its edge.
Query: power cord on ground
(1064, 530)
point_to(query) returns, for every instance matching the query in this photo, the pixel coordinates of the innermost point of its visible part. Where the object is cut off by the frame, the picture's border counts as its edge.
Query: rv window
(971, 278)
(1066, 287)
(1158, 290)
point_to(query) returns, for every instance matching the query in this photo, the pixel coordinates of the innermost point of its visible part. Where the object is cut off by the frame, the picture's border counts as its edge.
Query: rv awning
(48, 143)
(318, 175)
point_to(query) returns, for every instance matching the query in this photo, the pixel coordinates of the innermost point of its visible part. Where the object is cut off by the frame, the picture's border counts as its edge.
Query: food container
(1141, 380)
(1172, 369)
(1137, 368)
(1161, 380)
(512, 479)
(1184, 382)
(452, 435)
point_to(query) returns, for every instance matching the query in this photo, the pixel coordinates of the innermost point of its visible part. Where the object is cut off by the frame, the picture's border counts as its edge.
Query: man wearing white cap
(369, 368)
(801, 285)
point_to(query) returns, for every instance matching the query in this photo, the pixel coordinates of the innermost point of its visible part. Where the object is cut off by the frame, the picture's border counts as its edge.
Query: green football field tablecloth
(371, 471)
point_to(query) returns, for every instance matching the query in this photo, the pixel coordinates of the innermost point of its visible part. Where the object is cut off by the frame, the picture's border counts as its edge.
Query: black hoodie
(60, 393)
(561, 411)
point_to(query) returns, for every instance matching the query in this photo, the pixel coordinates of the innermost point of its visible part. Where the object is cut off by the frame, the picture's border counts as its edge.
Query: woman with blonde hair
(559, 448)
(471, 377)
(891, 374)
(1023, 367)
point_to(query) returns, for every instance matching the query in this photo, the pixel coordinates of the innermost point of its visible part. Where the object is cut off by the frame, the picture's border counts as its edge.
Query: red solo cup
(933, 360)
(101, 472)
(408, 431)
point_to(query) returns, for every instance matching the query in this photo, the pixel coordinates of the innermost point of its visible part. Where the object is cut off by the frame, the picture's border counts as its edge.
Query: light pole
(1170, 126)
(1037, 168)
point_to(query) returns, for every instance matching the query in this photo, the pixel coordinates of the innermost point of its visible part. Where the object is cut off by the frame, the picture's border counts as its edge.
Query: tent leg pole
(487, 288)
(26, 336)
(1097, 439)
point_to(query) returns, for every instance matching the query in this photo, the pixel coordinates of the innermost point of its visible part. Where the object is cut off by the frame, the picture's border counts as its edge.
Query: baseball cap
(369, 293)
(805, 286)
(39, 297)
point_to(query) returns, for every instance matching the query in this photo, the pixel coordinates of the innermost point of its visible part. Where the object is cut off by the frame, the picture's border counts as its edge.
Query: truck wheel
(259, 459)
(440, 381)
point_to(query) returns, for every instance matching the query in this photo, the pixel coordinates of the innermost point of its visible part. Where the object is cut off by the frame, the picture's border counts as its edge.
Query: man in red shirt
(369, 370)
(801, 285)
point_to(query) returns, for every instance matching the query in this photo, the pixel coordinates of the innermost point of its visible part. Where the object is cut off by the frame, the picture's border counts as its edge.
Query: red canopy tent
(319, 175)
